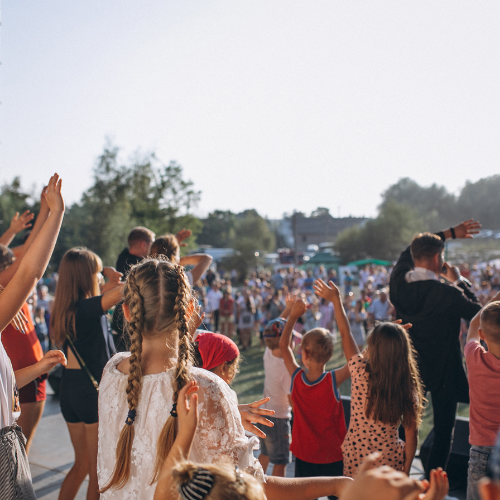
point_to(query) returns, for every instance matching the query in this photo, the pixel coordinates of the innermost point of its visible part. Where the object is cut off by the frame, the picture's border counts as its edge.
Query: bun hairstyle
(223, 482)
(158, 294)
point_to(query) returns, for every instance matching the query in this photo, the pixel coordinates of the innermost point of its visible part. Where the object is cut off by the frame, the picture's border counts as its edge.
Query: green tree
(219, 229)
(146, 192)
(480, 200)
(381, 238)
(433, 204)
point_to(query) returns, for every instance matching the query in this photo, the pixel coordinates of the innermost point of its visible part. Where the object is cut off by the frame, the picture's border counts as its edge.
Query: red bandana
(216, 349)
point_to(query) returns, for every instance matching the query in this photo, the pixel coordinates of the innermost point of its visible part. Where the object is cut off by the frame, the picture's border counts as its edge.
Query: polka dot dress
(365, 435)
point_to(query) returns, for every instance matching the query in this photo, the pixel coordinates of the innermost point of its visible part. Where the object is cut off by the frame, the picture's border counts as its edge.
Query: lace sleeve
(220, 437)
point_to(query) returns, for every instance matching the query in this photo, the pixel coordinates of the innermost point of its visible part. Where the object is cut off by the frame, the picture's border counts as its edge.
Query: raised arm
(17, 224)
(332, 293)
(35, 261)
(298, 309)
(187, 412)
(6, 276)
(200, 261)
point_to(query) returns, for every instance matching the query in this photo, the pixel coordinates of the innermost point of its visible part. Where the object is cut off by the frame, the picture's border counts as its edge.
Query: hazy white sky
(273, 105)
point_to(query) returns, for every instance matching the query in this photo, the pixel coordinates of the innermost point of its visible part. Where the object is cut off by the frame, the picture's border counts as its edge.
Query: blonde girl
(139, 393)
(79, 326)
(385, 392)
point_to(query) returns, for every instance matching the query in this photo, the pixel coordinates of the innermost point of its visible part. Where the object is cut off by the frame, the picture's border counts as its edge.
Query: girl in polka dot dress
(385, 392)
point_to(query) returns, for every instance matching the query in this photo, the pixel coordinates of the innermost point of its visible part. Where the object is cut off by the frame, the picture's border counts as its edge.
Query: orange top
(23, 349)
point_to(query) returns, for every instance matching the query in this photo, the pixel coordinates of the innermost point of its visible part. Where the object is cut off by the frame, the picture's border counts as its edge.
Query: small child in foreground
(180, 479)
(484, 389)
(319, 426)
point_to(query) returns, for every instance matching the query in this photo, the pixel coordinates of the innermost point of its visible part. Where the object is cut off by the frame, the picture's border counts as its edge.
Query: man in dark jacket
(435, 309)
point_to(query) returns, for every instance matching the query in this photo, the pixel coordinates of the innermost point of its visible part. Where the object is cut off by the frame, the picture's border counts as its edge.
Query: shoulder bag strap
(82, 363)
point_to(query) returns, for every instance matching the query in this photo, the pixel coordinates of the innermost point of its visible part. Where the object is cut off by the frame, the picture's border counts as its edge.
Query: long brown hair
(77, 280)
(395, 391)
(157, 293)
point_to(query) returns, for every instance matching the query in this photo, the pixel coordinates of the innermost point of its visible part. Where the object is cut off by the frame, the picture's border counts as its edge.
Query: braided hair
(157, 294)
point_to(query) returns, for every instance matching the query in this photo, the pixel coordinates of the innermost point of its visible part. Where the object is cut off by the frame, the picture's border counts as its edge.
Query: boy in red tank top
(319, 426)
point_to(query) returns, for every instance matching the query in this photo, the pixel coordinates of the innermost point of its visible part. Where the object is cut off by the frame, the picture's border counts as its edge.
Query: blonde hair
(318, 343)
(228, 484)
(490, 322)
(157, 293)
(77, 280)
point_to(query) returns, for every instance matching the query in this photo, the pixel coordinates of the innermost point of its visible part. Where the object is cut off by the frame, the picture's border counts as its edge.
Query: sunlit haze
(273, 105)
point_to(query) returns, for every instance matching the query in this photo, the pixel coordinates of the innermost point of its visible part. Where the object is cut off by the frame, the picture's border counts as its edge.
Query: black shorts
(79, 398)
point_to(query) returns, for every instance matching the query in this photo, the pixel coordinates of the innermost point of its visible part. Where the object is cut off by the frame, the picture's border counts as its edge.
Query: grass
(249, 383)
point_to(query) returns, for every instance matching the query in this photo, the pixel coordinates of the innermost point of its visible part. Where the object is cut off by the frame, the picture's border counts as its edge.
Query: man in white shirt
(213, 304)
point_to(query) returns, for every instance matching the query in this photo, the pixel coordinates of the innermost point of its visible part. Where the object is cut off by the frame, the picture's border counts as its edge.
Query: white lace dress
(220, 437)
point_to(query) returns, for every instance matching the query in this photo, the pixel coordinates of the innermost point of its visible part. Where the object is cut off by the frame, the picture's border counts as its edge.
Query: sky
(267, 104)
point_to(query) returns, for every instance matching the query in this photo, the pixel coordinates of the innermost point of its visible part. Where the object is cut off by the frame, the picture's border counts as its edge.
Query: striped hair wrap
(198, 487)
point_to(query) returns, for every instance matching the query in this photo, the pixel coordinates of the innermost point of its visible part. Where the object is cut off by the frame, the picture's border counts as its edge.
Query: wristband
(453, 235)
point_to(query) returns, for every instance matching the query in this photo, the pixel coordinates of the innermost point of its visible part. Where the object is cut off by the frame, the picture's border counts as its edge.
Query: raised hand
(112, 275)
(182, 235)
(329, 292)
(52, 194)
(187, 410)
(51, 359)
(467, 229)
(20, 222)
(299, 308)
(253, 413)
(19, 322)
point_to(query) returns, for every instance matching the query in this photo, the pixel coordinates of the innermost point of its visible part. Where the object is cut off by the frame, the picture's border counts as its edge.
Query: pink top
(484, 393)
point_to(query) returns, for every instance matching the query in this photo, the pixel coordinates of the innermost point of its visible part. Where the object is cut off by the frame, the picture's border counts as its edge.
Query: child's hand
(187, 410)
(252, 413)
(439, 486)
(182, 235)
(406, 326)
(20, 222)
(51, 359)
(381, 483)
(290, 300)
(324, 291)
(53, 196)
(113, 275)
(19, 322)
(299, 308)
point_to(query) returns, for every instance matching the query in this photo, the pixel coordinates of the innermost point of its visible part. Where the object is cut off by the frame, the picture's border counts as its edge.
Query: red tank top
(24, 349)
(318, 419)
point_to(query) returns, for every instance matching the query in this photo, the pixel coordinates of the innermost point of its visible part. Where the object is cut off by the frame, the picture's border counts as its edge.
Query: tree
(381, 238)
(218, 229)
(144, 193)
(433, 204)
(480, 200)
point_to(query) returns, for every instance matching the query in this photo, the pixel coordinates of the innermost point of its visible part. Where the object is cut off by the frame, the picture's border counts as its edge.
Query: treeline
(408, 208)
(142, 192)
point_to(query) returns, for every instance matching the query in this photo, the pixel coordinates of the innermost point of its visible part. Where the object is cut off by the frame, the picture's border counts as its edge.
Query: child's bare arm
(111, 298)
(187, 412)
(473, 333)
(299, 488)
(26, 375)
(332, 293)
(33, 265)
(411, 437)
(200, 261)
(17, 224)
(298, 309)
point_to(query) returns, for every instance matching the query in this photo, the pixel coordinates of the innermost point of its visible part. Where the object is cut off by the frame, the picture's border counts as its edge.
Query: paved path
(52, 456)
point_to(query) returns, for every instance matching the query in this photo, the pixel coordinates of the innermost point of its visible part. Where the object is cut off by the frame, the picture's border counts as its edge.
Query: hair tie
(173, 411)
(131, 417)
(198, 487)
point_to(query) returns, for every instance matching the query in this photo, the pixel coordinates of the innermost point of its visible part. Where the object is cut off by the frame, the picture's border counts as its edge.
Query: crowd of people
(150, 348)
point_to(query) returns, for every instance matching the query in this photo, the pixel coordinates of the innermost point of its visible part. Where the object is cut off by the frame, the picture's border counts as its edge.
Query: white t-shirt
(9, 395)
(213, 300)
(277, 385)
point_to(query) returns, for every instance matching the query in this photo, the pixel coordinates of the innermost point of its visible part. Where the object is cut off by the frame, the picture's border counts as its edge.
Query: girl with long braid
(139, 392)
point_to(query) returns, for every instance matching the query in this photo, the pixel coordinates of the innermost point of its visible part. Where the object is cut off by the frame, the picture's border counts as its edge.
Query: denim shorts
(276, 445)
(478, 463)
